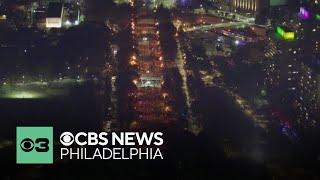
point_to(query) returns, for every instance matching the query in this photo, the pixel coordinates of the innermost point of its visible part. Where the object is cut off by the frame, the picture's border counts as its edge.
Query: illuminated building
(286, 35)
(250, 5)
(294, 72)
(54, 15)
(241, 5)
(39, 18)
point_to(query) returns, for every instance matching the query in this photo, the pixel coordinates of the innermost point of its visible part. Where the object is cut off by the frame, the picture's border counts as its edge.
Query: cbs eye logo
(40, 145)
(66, 138)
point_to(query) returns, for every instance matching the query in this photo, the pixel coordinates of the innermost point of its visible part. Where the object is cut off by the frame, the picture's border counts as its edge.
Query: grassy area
(31, 92)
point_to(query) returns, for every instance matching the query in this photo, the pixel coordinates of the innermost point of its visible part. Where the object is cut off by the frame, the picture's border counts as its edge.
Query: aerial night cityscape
(226, 89)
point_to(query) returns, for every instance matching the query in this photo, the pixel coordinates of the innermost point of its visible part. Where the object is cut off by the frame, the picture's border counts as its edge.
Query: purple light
(184, 2)
(304, 13)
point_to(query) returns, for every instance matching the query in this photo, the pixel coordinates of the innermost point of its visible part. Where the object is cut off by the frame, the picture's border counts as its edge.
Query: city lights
(68, 23)
(3, 17)
(286, 35)
(232, 86)
(24, 95)
(133, 62)
(304, 13)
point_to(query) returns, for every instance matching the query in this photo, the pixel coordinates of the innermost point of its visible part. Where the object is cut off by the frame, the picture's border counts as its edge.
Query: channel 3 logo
(34, 145)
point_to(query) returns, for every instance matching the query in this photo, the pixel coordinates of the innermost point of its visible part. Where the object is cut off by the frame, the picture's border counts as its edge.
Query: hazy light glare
(68, 23)
(25, 95)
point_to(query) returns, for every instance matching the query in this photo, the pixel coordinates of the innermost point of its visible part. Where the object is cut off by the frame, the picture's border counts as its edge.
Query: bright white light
(53, 22)
(237, 42)
(76, 22)
(68, 23)
(24, 95)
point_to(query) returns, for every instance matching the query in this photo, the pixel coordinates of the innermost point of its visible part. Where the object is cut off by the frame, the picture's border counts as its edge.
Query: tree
(165, 3)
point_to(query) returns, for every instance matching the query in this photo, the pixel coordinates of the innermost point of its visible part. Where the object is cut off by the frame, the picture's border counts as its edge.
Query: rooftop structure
(54, 15)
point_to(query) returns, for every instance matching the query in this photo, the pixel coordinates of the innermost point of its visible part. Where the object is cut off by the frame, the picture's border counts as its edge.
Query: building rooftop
(54, 9)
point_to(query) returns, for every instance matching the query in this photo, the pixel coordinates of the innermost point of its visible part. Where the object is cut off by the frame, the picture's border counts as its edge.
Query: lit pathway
(193, 125)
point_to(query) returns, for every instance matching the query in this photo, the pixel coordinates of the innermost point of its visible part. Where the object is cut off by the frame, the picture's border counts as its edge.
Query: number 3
(43, 145)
